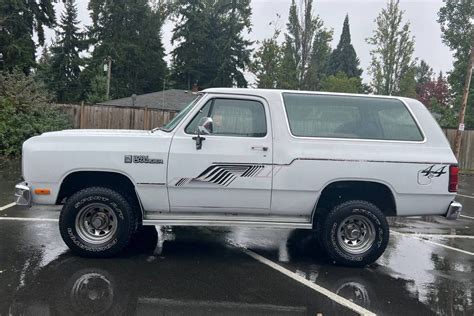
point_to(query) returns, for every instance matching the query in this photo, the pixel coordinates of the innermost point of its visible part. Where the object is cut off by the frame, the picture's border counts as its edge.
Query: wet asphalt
(204, 271)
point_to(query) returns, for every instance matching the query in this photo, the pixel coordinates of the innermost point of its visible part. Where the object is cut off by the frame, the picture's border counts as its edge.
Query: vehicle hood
(97, 132)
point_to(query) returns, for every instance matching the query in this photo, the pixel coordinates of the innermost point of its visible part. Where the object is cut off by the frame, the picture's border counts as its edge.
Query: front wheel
(354, 233)
(97, 222)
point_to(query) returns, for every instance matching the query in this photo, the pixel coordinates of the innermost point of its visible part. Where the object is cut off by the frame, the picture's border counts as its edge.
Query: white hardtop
(277, 92)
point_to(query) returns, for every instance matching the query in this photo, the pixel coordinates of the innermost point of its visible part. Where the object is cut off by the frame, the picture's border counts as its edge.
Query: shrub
(25, 111)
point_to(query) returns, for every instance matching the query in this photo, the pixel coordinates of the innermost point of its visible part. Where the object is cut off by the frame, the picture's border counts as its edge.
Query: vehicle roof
(267, 92)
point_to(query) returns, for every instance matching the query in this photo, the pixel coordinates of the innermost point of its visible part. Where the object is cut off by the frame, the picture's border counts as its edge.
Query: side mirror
(205, 126)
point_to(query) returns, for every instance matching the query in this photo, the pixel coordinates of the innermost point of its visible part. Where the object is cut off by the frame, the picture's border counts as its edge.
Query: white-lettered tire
(355, 233)
(97, 222)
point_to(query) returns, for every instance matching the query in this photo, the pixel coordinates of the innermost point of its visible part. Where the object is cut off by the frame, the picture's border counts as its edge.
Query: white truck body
(292, 173)
(250, 157)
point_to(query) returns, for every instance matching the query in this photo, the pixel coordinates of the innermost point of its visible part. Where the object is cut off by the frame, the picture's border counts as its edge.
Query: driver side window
(232, 117)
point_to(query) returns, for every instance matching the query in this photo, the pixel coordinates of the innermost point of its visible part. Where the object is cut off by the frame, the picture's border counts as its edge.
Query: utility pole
(108, 60)
(462, 111)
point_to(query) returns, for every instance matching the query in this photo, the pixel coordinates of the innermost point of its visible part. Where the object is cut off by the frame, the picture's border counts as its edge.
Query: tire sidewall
(93, 196)
(337, 217)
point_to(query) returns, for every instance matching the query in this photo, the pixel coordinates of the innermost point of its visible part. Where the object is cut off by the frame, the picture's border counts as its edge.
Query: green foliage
(65, 62)
(407, 84)
(445, 116)
(288, 75)
(456, 20)
(319, 61)
(24, 111)
(130, 33)
(98, 89)
(341, 83)
(393, 50)
(303, 30)
(344, 58)
(211, 50)
(423, 73)
(19, 20)
(266, 62)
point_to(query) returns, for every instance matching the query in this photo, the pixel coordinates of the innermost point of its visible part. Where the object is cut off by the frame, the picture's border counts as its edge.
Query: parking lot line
(466, 196)
(336, 298)
(435, 235)
(7, 206)
(433, 242)
(470, 217)
(29, 219)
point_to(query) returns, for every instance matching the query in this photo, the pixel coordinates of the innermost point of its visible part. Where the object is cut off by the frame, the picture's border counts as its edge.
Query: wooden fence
(115, 117)
(466, 154)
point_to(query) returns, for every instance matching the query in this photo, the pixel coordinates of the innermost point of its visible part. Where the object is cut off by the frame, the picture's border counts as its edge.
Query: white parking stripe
(466, 196)
(29, 219)
(434, 235)
(336, 298)
(433, 242)
(470, 217)
(448, 247)
(7, 206)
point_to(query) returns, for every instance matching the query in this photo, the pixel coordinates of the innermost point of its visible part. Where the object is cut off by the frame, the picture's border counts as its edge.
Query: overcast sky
(422, 15)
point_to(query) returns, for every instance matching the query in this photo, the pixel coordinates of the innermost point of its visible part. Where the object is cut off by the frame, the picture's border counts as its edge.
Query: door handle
(262, 148)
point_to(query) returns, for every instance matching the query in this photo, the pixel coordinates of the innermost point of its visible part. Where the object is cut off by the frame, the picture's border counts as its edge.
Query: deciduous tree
(456, 19)
(392, 53)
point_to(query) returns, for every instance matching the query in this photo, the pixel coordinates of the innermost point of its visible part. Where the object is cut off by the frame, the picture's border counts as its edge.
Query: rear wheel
(97, 222)
(354, 233)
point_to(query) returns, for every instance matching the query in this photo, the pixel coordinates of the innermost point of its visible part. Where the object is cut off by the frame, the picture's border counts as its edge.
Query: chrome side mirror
(205, 126)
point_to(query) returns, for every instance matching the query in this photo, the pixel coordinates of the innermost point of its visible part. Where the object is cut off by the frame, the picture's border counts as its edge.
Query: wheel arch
(118, 181)
(339, 191)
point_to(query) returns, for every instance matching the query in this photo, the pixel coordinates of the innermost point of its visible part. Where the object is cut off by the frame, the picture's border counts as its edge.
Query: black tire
(111, 210)
(355, 233)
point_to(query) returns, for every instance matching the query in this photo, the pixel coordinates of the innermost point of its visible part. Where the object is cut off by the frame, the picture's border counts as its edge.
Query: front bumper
(22, 194)
(454, 210)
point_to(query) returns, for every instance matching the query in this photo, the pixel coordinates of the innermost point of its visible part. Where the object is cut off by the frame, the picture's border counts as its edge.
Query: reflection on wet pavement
(193, 274)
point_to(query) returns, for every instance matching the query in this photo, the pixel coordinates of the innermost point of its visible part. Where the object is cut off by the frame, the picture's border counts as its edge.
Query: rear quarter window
(357, 117)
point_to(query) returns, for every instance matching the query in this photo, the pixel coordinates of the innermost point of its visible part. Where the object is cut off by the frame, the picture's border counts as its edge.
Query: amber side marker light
(42, 191)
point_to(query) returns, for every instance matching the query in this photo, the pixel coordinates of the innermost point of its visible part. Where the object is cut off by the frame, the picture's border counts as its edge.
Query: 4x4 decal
(430, 173)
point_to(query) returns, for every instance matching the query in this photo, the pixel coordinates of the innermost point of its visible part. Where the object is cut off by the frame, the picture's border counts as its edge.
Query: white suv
(336, 163)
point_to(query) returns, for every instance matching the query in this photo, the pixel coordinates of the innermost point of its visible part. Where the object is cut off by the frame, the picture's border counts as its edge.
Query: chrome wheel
(96, 223)
(356, 234)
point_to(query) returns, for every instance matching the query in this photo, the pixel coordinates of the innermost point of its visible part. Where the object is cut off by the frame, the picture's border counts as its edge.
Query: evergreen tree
(65, 59)
(211, 50)
(19, 21)
(344, 58)
(129, 32)
(423, 73)
(191, 30)
(393, 50)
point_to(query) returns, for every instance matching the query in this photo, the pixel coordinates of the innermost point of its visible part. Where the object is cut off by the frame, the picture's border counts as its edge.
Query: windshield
(175, 121)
